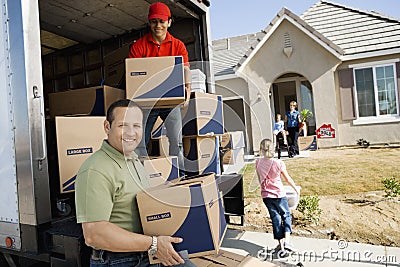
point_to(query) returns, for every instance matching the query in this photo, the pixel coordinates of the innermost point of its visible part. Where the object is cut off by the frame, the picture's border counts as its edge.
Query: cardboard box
(190, 209)
(232, 156)
(77, 139)
(232, 140)
(307, 142)
(230, 259)
(92, 101)
(155, 81)
(201, 155)
(161, 169)
(204, 115)
(158, 147)
(114, 66)
(159, 129)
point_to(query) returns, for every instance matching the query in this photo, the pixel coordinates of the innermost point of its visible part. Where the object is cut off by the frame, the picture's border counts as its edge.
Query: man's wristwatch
(153, 247)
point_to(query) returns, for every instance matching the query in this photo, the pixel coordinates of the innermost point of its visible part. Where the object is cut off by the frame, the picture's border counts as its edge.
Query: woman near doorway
(292, 118)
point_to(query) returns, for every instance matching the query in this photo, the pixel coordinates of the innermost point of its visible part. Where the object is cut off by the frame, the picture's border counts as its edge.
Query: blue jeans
(294, 133)
(173, 123)
(278, 209)
(130, 259)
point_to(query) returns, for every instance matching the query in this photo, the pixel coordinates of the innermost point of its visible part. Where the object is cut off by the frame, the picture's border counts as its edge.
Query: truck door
(24, 197)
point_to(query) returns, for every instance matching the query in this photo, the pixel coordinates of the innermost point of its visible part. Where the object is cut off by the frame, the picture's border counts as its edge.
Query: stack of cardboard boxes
(232, 147)
(202, 126)
(79, 115)
(192, 208)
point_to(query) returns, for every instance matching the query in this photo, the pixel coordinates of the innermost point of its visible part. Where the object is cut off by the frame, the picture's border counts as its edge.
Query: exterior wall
(258, 113)
(319, 66)
(237, 87)
(309, 59)
(375, 133)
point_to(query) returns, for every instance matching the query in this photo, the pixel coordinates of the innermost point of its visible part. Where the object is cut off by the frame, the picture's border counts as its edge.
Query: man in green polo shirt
(106, 188)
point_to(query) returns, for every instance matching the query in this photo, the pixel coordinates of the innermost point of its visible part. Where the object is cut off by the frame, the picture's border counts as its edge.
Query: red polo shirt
(148, 47)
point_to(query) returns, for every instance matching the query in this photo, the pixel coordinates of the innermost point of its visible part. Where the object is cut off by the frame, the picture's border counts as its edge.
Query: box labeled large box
(190, 209)
(92, 101)
(204, 115)
(155, 81)
(161, 169)
(114, 66)
(201, 155)
(307, 142)
(232, 140)
(77, 139)
(232, 156)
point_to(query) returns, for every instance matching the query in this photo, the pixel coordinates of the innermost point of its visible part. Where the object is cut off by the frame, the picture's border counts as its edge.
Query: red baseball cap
(159, 10)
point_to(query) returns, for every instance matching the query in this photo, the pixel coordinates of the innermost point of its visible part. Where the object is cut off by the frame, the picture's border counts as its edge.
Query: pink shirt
(269, 171)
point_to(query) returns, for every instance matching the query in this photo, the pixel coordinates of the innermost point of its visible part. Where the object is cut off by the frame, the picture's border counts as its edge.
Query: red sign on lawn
(326, 131)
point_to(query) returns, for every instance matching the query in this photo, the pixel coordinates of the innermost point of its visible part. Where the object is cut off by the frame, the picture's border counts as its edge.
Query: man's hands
(166, 253)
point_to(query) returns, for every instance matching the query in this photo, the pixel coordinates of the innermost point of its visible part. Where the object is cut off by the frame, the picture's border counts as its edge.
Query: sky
(233, 18)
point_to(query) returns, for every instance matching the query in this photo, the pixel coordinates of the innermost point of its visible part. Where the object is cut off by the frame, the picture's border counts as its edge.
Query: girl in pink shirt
(269, 171)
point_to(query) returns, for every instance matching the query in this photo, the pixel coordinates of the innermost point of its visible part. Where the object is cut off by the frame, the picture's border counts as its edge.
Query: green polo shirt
(106, 188)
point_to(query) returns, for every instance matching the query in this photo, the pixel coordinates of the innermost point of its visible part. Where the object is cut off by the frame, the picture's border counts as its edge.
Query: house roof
(353, 30)
(228, 51)
(345, 31)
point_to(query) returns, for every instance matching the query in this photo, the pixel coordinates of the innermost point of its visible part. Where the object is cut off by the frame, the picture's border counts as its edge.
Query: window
(376, 91)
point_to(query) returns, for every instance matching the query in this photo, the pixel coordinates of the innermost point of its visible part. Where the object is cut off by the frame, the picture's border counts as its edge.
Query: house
(340, 62)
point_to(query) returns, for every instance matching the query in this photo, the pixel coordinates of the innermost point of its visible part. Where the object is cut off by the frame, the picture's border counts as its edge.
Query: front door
(294, 88)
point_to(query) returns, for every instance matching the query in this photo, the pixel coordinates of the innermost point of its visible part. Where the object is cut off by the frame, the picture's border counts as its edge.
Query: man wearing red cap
(159, 43)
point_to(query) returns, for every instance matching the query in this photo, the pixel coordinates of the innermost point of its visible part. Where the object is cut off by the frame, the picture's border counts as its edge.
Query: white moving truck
(50, 46)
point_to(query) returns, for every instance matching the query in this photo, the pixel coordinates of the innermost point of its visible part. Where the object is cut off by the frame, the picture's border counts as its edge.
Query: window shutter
(398, 78)
(346, 85)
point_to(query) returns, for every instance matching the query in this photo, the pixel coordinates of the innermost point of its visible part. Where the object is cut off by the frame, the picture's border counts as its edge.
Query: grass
(335, 171)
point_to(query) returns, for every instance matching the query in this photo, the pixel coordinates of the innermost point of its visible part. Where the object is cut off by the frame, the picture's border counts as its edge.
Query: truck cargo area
(74, 38)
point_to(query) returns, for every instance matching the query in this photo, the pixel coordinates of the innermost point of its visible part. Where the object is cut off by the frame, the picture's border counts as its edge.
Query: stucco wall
(309, 59)
(377, 133)
(237, 87)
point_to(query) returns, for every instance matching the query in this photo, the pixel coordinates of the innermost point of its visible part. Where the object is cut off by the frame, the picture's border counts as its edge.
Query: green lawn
(335, 171)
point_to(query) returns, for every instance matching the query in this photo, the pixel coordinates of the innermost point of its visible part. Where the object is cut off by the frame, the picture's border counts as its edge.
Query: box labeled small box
(191, 209)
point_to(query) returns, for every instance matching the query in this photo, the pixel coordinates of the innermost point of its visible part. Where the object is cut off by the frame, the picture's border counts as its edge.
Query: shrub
(309, 207)
(392, 186)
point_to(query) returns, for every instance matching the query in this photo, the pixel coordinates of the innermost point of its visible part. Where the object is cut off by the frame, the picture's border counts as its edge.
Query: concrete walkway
(311, 252)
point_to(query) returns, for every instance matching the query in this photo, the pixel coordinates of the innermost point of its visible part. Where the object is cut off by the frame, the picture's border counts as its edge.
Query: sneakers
(289, 247)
